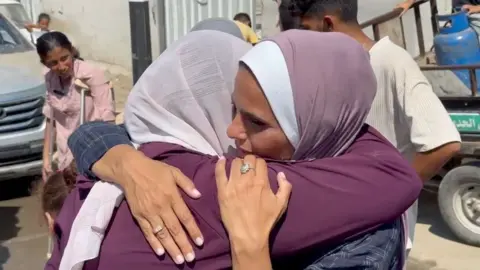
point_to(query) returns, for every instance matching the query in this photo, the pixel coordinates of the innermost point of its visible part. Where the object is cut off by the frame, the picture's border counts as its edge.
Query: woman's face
(254, 126)
(60, 61)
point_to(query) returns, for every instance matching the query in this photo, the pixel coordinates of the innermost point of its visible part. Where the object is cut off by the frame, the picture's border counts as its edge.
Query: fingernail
(179, 259)
(160, 251)
(190, 257)
(221, 158)
(282, 175)
(199, 241)
(196, 193)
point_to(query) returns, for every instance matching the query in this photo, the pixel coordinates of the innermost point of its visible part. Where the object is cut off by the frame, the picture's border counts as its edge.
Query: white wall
(99, 28)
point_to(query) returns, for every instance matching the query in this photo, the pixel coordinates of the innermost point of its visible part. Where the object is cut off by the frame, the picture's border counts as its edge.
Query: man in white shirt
(405, 109)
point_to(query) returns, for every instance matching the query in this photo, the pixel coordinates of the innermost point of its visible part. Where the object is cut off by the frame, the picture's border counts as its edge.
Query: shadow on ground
(11, 189)
(429, 214)
(9, 230)
(414, 264)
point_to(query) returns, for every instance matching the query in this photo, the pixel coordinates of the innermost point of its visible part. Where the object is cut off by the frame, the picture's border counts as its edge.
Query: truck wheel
(459, 202)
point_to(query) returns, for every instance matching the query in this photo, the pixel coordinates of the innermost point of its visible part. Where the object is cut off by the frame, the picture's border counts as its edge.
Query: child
(41, 27)
(54, 191)
(43, 23)
(244, 22)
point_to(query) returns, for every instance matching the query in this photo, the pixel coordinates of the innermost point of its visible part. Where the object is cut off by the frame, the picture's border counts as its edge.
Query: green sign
(466, 122)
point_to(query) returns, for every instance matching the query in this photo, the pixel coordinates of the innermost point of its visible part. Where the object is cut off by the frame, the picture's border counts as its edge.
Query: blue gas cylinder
(457, 44)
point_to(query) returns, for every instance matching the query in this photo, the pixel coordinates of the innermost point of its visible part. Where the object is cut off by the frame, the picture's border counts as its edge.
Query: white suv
(22, 95)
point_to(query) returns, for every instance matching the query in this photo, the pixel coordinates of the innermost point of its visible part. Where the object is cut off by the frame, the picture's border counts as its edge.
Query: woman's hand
(46, 170)
(250, 209)
(152, 194)
(471, 9)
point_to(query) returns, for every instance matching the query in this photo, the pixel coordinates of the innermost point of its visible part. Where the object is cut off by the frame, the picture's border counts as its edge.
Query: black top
(459, 3)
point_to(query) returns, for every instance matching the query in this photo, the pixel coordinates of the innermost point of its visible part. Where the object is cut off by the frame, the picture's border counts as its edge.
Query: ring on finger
(158, 230)
(245, 168)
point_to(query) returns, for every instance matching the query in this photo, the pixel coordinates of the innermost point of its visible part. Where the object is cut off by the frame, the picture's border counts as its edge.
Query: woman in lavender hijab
(316, 133)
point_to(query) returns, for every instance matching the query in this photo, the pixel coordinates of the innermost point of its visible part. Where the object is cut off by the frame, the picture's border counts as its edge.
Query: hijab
(221, 25)
(320, 87)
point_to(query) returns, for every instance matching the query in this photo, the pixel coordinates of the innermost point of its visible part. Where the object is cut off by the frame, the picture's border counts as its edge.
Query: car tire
(454, 193)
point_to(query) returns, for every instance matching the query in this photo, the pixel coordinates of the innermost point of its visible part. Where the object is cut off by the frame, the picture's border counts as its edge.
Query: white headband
(268, 65)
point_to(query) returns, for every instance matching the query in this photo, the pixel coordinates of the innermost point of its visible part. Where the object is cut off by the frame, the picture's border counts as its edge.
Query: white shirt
(406, 110)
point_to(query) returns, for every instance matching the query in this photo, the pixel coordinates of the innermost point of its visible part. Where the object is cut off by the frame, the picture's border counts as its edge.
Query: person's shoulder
(86, 70)
(389, 54)
(164, 151)
(86, 67)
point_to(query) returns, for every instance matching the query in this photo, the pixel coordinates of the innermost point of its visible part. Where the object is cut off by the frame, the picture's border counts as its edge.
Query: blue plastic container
(457, 44)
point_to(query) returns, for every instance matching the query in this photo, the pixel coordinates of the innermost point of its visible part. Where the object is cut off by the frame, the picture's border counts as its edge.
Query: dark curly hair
(56, 189)
(346, 10)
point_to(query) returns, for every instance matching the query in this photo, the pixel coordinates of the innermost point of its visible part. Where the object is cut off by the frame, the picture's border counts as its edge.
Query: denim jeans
(380, 250)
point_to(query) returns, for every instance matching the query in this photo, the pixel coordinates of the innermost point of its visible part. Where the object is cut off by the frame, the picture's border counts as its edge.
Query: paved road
(23, 239)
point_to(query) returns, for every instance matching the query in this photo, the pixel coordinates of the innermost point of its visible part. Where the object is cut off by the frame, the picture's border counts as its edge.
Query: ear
(50, 222)
(329, 23)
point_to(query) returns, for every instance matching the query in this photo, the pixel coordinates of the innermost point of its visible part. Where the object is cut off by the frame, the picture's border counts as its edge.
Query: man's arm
(406, 5)
(427, 164)
(91, 141)
(471, 9)
(432, 131)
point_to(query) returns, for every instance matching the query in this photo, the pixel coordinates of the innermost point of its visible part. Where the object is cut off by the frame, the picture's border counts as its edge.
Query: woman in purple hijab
(301, 99)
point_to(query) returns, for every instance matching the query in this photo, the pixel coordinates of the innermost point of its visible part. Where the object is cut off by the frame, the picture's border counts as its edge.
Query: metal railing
(394, 14)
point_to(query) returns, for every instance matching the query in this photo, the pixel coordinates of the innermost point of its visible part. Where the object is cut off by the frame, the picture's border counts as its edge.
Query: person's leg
(412, 214)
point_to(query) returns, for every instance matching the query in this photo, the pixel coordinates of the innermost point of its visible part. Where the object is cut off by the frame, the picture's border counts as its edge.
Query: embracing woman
(300, 101)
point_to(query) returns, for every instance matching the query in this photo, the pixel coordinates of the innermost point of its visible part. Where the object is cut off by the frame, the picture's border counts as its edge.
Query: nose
(236, 130)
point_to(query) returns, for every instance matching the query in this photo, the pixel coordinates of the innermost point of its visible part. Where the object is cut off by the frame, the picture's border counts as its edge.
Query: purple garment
(332, 199)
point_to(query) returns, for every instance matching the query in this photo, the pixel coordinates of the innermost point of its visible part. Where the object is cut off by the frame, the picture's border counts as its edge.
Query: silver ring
(245, 168)
(157, 230)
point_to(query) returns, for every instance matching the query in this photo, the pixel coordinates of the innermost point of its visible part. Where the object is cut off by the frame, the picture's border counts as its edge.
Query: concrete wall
(99, 28)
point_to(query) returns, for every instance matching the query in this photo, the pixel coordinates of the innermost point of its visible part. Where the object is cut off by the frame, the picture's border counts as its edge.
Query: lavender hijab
(320, 87)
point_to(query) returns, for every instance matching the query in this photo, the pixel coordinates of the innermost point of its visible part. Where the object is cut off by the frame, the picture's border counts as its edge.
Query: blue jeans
(379, 250)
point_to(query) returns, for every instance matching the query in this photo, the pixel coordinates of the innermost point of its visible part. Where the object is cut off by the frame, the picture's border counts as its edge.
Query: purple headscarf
(320, 87)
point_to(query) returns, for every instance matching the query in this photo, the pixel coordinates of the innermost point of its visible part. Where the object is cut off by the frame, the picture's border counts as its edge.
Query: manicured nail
(179, 259)
(282, 175)
(190, 257)
(199, 241)
(160, 251)
(221, 158)
(196, 193)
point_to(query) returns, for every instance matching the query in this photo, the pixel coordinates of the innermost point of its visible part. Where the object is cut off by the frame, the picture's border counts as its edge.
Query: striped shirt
(406, 110)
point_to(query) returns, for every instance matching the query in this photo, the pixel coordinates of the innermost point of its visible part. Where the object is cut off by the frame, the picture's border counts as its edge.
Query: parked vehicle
(22, 91)
(16, 12)
(458, 188)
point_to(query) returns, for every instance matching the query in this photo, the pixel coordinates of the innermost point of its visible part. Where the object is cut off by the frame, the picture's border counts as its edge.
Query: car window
(11, 40)
(16, 13)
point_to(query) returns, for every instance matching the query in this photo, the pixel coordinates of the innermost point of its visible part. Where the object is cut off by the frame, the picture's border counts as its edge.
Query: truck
(458, 185)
